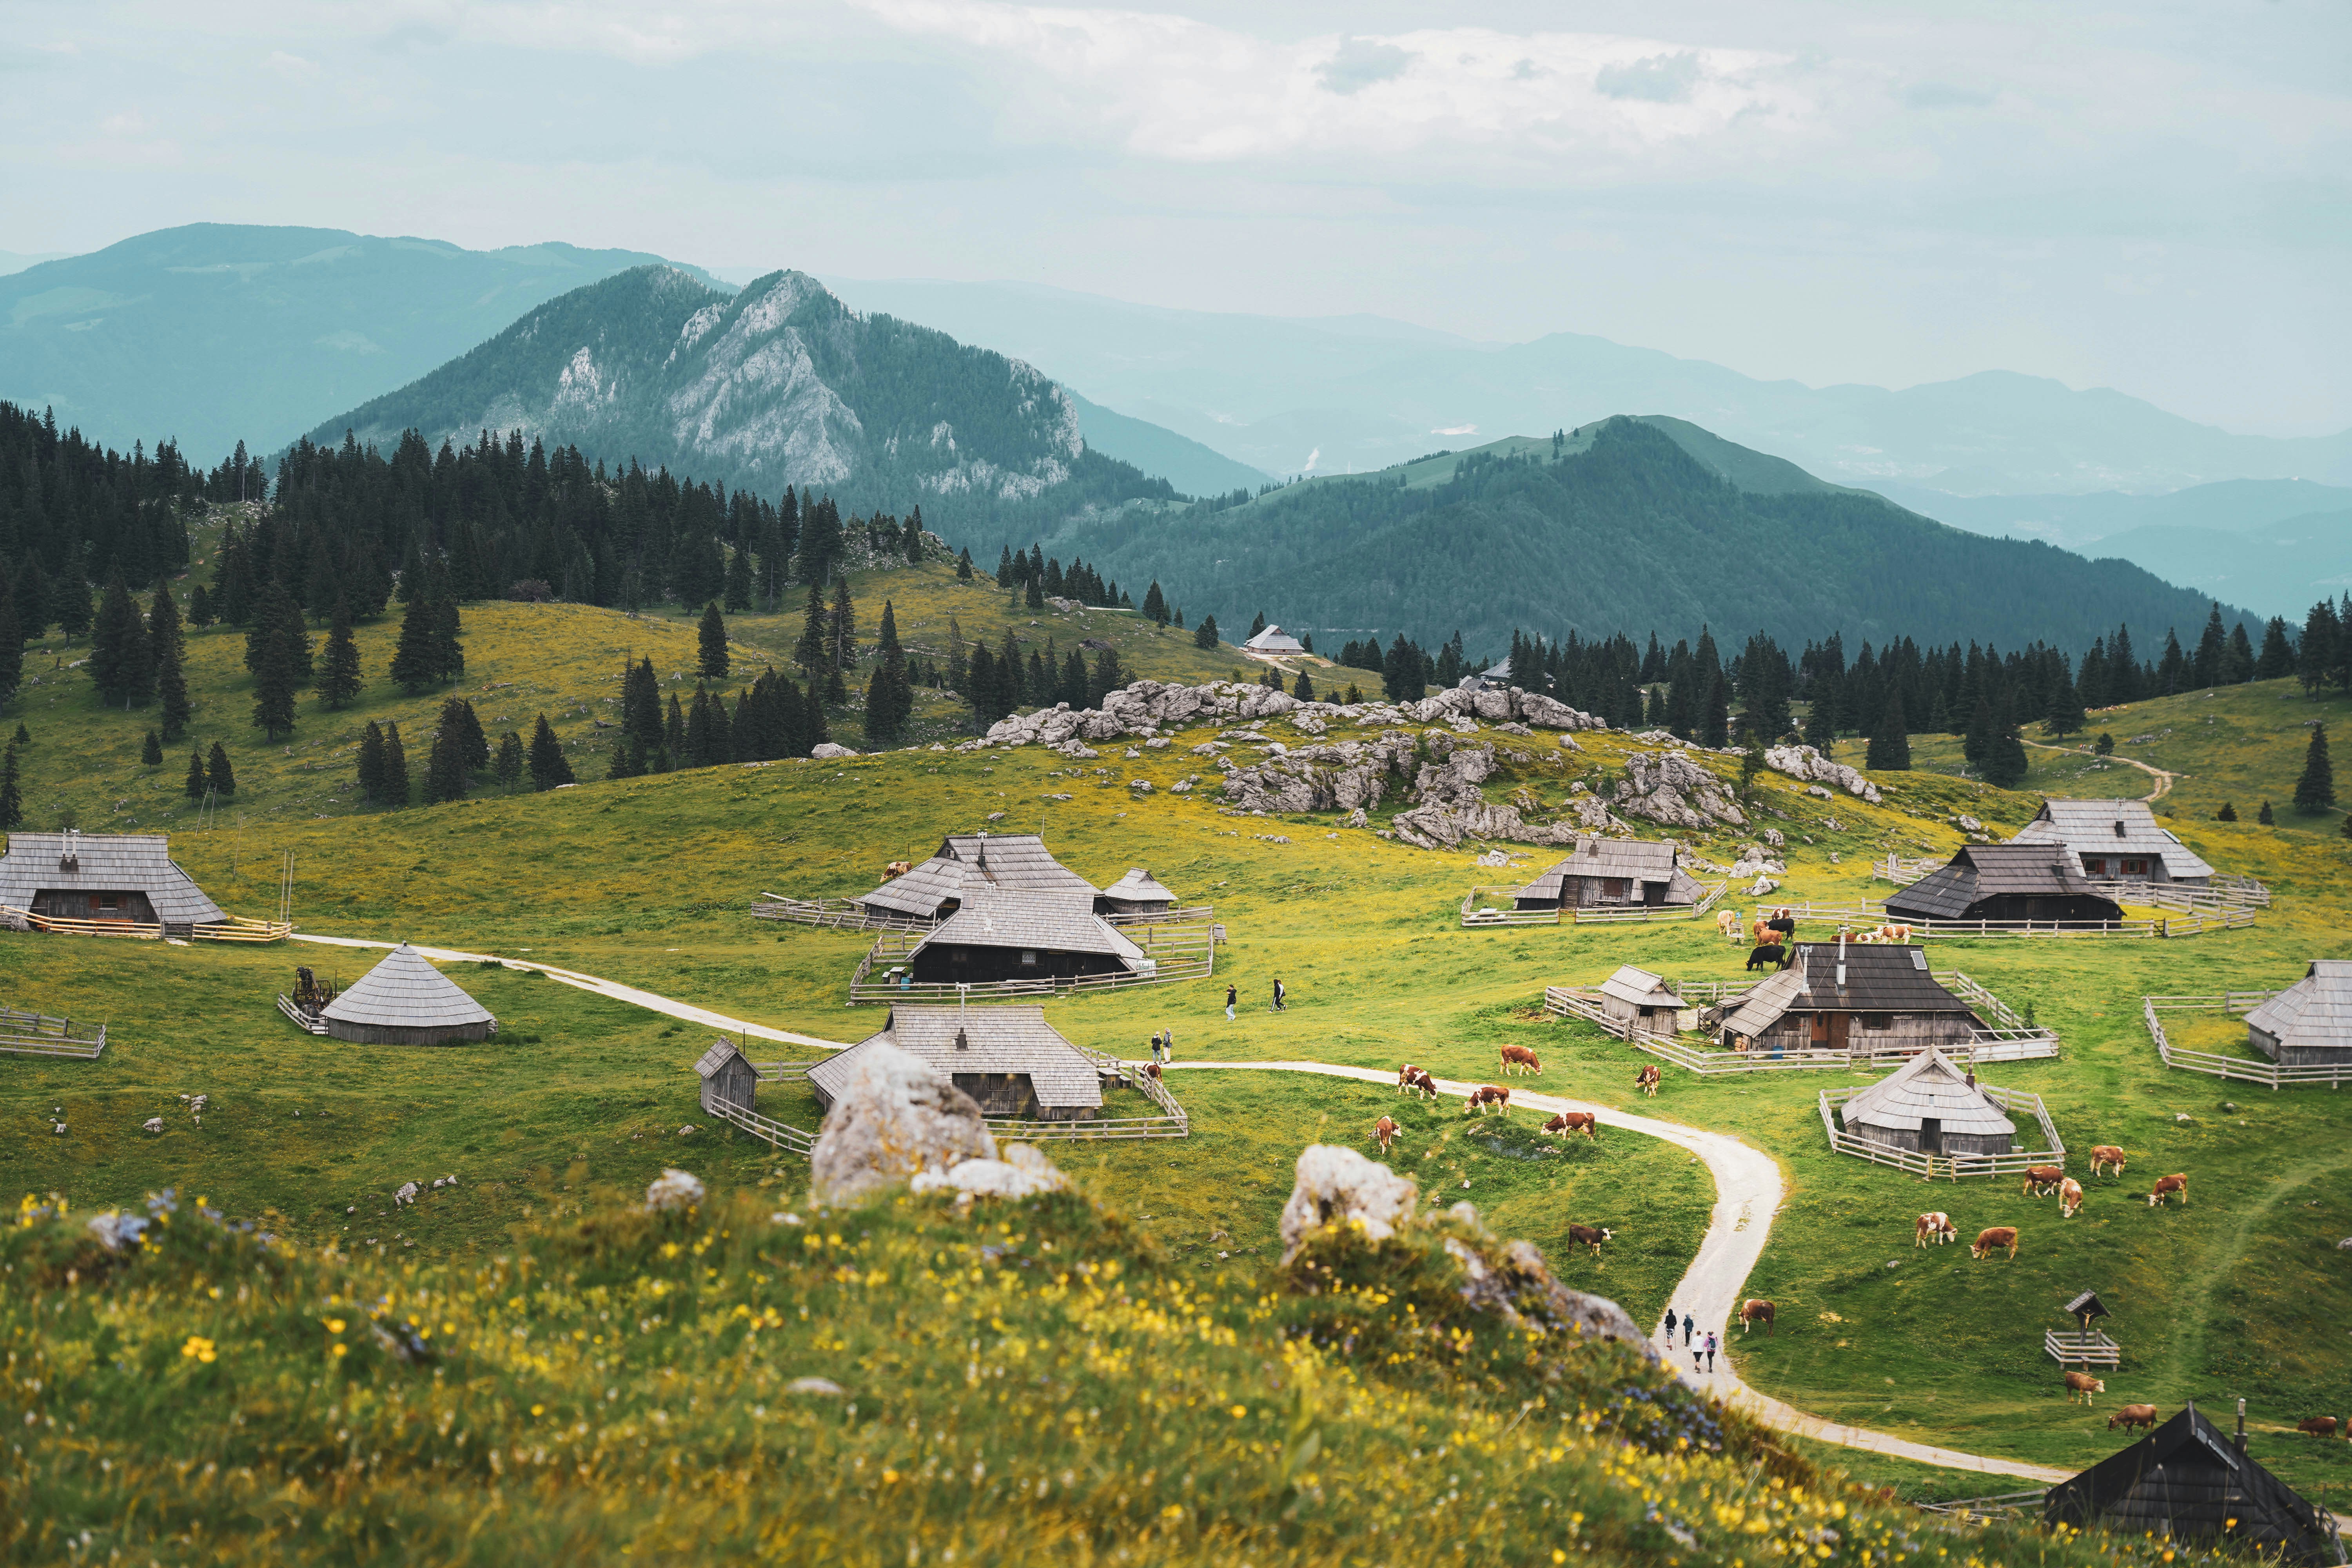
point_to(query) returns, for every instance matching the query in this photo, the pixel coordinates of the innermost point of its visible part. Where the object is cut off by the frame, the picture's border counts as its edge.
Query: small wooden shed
(1860, 996)
(1008, 1058)
(1000, 935)
(2309, 1024)
(1649, 1003)
(129, 878)
(2188, 1481)
(1927, 1106)
(1611, 871)
(1138, 893)
(936, 887)
(728, 1078)
(404, 1001)
(2005, 882)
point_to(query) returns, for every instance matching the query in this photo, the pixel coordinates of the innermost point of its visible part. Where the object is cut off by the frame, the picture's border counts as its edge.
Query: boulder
(1804, 763)
(1670, 788)
(1549, 713)
(1339, 1186)
(1024, 1173)
(825, 751)
(897, 1118)
(671, 1191)
(1513, 1282)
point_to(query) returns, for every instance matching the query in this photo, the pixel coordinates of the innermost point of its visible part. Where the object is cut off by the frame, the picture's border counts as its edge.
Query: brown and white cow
(2084, 1384)
(1993, 1239)
(1569, 1123)
(895, 870)
(1405, 1075)
(1936, 1228)
(1646, 1081)
(1518, 1058)
(2040, 1180)
(2070, 1198)
(2168, 1185)
(1384, 1132)
(1152, 1069)
(1423, 1084)
(2104, 1155)
(1488, 1095)
(2321, 1427)
(1755, 1309)
(2132, 1416)
(1589, 1235)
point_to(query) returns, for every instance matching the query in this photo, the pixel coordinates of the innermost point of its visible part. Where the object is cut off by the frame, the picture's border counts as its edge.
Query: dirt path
(2164, 781)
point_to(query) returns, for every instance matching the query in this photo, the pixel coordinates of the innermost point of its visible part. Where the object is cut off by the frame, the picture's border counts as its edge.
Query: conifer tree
(2266, 817)
(1977, 745)
(1715, 723)
(508, 766)
(171, 686)
(371, 765)
(1821, 729)
(200, 606)
(2277, 658)
(2229, 812)
(12, 645)
(2316, 790)
(194, 785)
(983, 692)
(23, 736)
(548, 766)
(445, 764)
(698, 752)
(739, 580)
(628, 758)
(1004, 568)
(220, 777)
(2212, 649)
(473, 744)
(273, 683)
(395, 766)
(958, 673)
(2067, 716)
(1890, 742)
(70, 605)
(641, 714)
(1304, 687)
(809, 652)
(1155, 604)
(415, 663)
(341, 678)
(963, 565)
(913, 537)
(841, 628)
(712, 638)
(449, 652)
(164, 621)
(12, 793)
(720, 745)
(1205, 634)
(1258, 623)
(2005, 762)
(1034, 595)
(151, 754)
(673, 748)
(121, 661)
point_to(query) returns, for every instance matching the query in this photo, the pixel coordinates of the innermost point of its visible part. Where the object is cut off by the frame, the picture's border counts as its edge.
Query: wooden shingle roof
(406, 992)
(1636, 859)
(720, 1053)
(1138, 887)
(1879, 978)
(104, 862)
(966, 860)
(1979, 871)
(993, 1040)
(1927, 1087)
(2109, 828)
(1048, 921)
(2315, 1011)
(2187, 1479)
(1640, 987)
(1274, 639)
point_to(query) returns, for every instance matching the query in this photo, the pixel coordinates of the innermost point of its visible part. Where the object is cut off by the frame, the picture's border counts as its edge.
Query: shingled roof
(965, 860)
(107, 863)
(720, 1053)
(993, 1040)
(1879, 978)
(2187, 1479)
(406, 992)
(1049, 921)
(2315, 1012)
(1138, 887)
(1927, 1087)
(1980, 871)
(2110, 828)
(1636, 859)
(1640, 988)
(1274, 639)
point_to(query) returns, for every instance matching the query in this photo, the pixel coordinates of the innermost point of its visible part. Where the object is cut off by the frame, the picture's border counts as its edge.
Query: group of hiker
(1280, 1003)
(1703, 1348)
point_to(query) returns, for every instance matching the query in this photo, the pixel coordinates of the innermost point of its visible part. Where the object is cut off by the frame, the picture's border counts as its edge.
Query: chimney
(1841, 967)
(962, 1044)
(2242, 1425)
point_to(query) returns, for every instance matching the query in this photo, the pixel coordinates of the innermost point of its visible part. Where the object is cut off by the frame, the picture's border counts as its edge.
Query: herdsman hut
(728, 1078)
(1927, 1106)
(1637, 997)
(1862, 997)
(1136, 893)
(404, 1001)
(1611, 871)
(936, 887)
(2188, 1480)
(129, 877)
(2019, 881)
(1274, 639)
(1000, 935)
(2309, 1024)
(2115, 841)
(1008, 1058)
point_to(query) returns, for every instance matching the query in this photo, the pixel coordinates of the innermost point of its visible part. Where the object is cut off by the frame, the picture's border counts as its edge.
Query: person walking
(1690, 1322)
(1278, 995)
(1710, 1353)
(1229, 1004)
(1155, 1050)
(1168, 1044)
(1670, 1325)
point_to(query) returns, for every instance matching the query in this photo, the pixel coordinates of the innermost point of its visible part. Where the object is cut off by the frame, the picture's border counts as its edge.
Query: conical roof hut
(1928, 1106)
(1138, 893)
(404, 1001)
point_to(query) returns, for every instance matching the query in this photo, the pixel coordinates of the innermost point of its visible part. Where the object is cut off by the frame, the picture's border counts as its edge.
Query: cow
(2070, 1198)
(1423, 1084)
(1589, 1235)
(1404, 1078)
(1771, 955)
(1646, 1081)
(1760, 931)
(1384, 1132)
(2165, 1187)
(1152, 1069)
(2104, 1155)
(1993, 1239)
(1783, 924)
(1569, 1123)
(2040, 1180)
(895, 870)
(2084, 1384)
(1755, 1310)
(1489, 1094)
(1518, 1058)
(1726, 924)
(2132, 1416)
(1935, 1227)
(2321, 1427)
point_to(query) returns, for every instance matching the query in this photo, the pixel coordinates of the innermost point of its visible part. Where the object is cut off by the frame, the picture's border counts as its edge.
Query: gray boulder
(895, 1119)
(1339, 1186)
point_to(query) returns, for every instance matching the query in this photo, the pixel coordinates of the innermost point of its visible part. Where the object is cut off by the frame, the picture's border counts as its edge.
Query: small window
(109, 900)
(2135, 867)
(1877, 1023)
(1028, 958)
(2097, 864)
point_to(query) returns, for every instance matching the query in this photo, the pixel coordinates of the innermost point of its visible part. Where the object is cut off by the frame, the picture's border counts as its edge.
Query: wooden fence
(309, 1023)
(1864, 917)
(2000, 1505)
(235, 929)
(845, 914)
(1474, 918)
(1902, 872)
(38, 1035)
(1177, 948)
(2214, 1064)
(2086, 1350)
(1953, 1166)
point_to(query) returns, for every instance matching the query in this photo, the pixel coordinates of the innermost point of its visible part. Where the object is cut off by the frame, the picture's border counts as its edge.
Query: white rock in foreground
(1335, 1186)
(1024, 1173)
(896, 1119)
(672, 1190)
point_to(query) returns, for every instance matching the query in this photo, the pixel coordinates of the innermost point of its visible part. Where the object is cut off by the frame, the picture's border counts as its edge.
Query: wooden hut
(404, 1001)
(728, 1078)
(1606, 872)
(2115, 841)
(936, 887)
(1865, 996)
(2188, 1480)
(1002, 935)
(2309, 1024)
(1136, 893)
(1274, 639)
(1927, 1106)
(129, 878)
(2005, 882)
(1643, 1000)
(1008, 1058)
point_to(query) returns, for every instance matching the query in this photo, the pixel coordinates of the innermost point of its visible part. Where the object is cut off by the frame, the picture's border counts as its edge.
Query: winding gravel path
(2164, 781)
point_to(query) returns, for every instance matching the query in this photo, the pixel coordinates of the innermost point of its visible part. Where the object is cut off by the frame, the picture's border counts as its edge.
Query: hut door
(1830, 1030)
(1931, 1136)
(1612, 889)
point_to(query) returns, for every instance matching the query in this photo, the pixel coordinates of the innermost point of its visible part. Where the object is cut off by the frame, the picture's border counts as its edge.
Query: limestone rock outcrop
(896, 1119)
(1668, 787)
(1337, 1187)
(1804, 763)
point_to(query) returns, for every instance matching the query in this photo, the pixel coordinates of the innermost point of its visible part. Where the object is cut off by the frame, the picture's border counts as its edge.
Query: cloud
(1661, 78)
(1944, 95)
(1362, 62)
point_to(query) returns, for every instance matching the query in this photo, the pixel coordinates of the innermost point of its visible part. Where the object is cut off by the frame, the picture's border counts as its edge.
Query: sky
(2156, 198)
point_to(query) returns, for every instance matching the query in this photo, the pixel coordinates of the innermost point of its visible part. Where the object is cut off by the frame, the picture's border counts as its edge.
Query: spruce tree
(508, 766)
(273, 684)
(548, 766)
(2067, 716)
(1821, 729)
(1155, 604)
(415, 663)
(738, 581)
(449, 652)
(69, 607)
(220, 777)
(673, 748)
(963, 565)
(628, 758)
(171, 686)
(2277, 658)
(809, 652)
(1303, 688)
(473, 744)
(395, 766)
(370, 764)
(1205, 634)
(2316, 790)
(151, 754)
(1715, 722)
(12, 646)
(445, 764)
(195, 782)
(913, 537)
(698, 750)
(641, 713)
(341, 679)
(122, 662)
(1034, 595)
(2266, 817)
(2229, 812)
(2005, 762)
(1258, 623)
(200, 606)
(1890, 742)
(711, 637)
(841, 628)
(12, 793)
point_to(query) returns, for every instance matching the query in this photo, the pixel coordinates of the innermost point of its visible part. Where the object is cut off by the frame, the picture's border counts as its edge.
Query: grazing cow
(895, 870)
(1646, 1081)
(1569, 1123)
(1489, 1094)
(2070, 1198)
(2084, 1384)
(1518, 1058)
(2107, 1154)
(2168, 1185)
(1760, 931)
(1769, 955)
(2040, 1180)
(1404, 1078)
(1726, 924)
(1423, 1084)
(1993, 1239)
(1152, 1069)
(1754, 1310)
(1384, 1130)
(1782, 924)
(2320, 1426)
(1589, 1235)
(2132, 1416)
(1935, 1227)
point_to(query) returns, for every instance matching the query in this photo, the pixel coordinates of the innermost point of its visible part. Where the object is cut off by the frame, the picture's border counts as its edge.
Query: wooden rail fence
(38, 1034)
(2215, 1064)
(1864, 917)
(309, 1023)
(1953, 1166)
(235, 929)
(1474, 918)
(845, 914)
(1177, 948)
(2087, 1350)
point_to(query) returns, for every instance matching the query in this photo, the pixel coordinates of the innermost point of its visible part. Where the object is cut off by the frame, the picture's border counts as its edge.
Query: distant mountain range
(216, 333)
(1351, 394)
(778, 385)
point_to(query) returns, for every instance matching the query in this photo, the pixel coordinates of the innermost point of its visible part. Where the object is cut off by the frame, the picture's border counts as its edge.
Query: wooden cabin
(2017, 881)
(2309, 1024)
(936, 887)
(1274, 639)
(728, 1078)
(1606, 872)
(126, 876)
(1927, 1106)
(1136, 893)
(1001, 935)
(1859, 996)
(404, 1001)
(1643, 1000)
(2115, 841)
(2188, 1480)
(1009, 1059)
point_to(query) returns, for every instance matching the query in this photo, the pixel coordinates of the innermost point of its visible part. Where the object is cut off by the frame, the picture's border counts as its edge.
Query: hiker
(1690, 1322)
(1710, 1353)
(1155, 1049)
(1670, 1325)
(1229, 1004)
(1167, 1043)
(1278, 995)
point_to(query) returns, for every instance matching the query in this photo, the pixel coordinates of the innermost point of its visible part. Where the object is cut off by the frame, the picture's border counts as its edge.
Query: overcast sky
(2156, 197)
